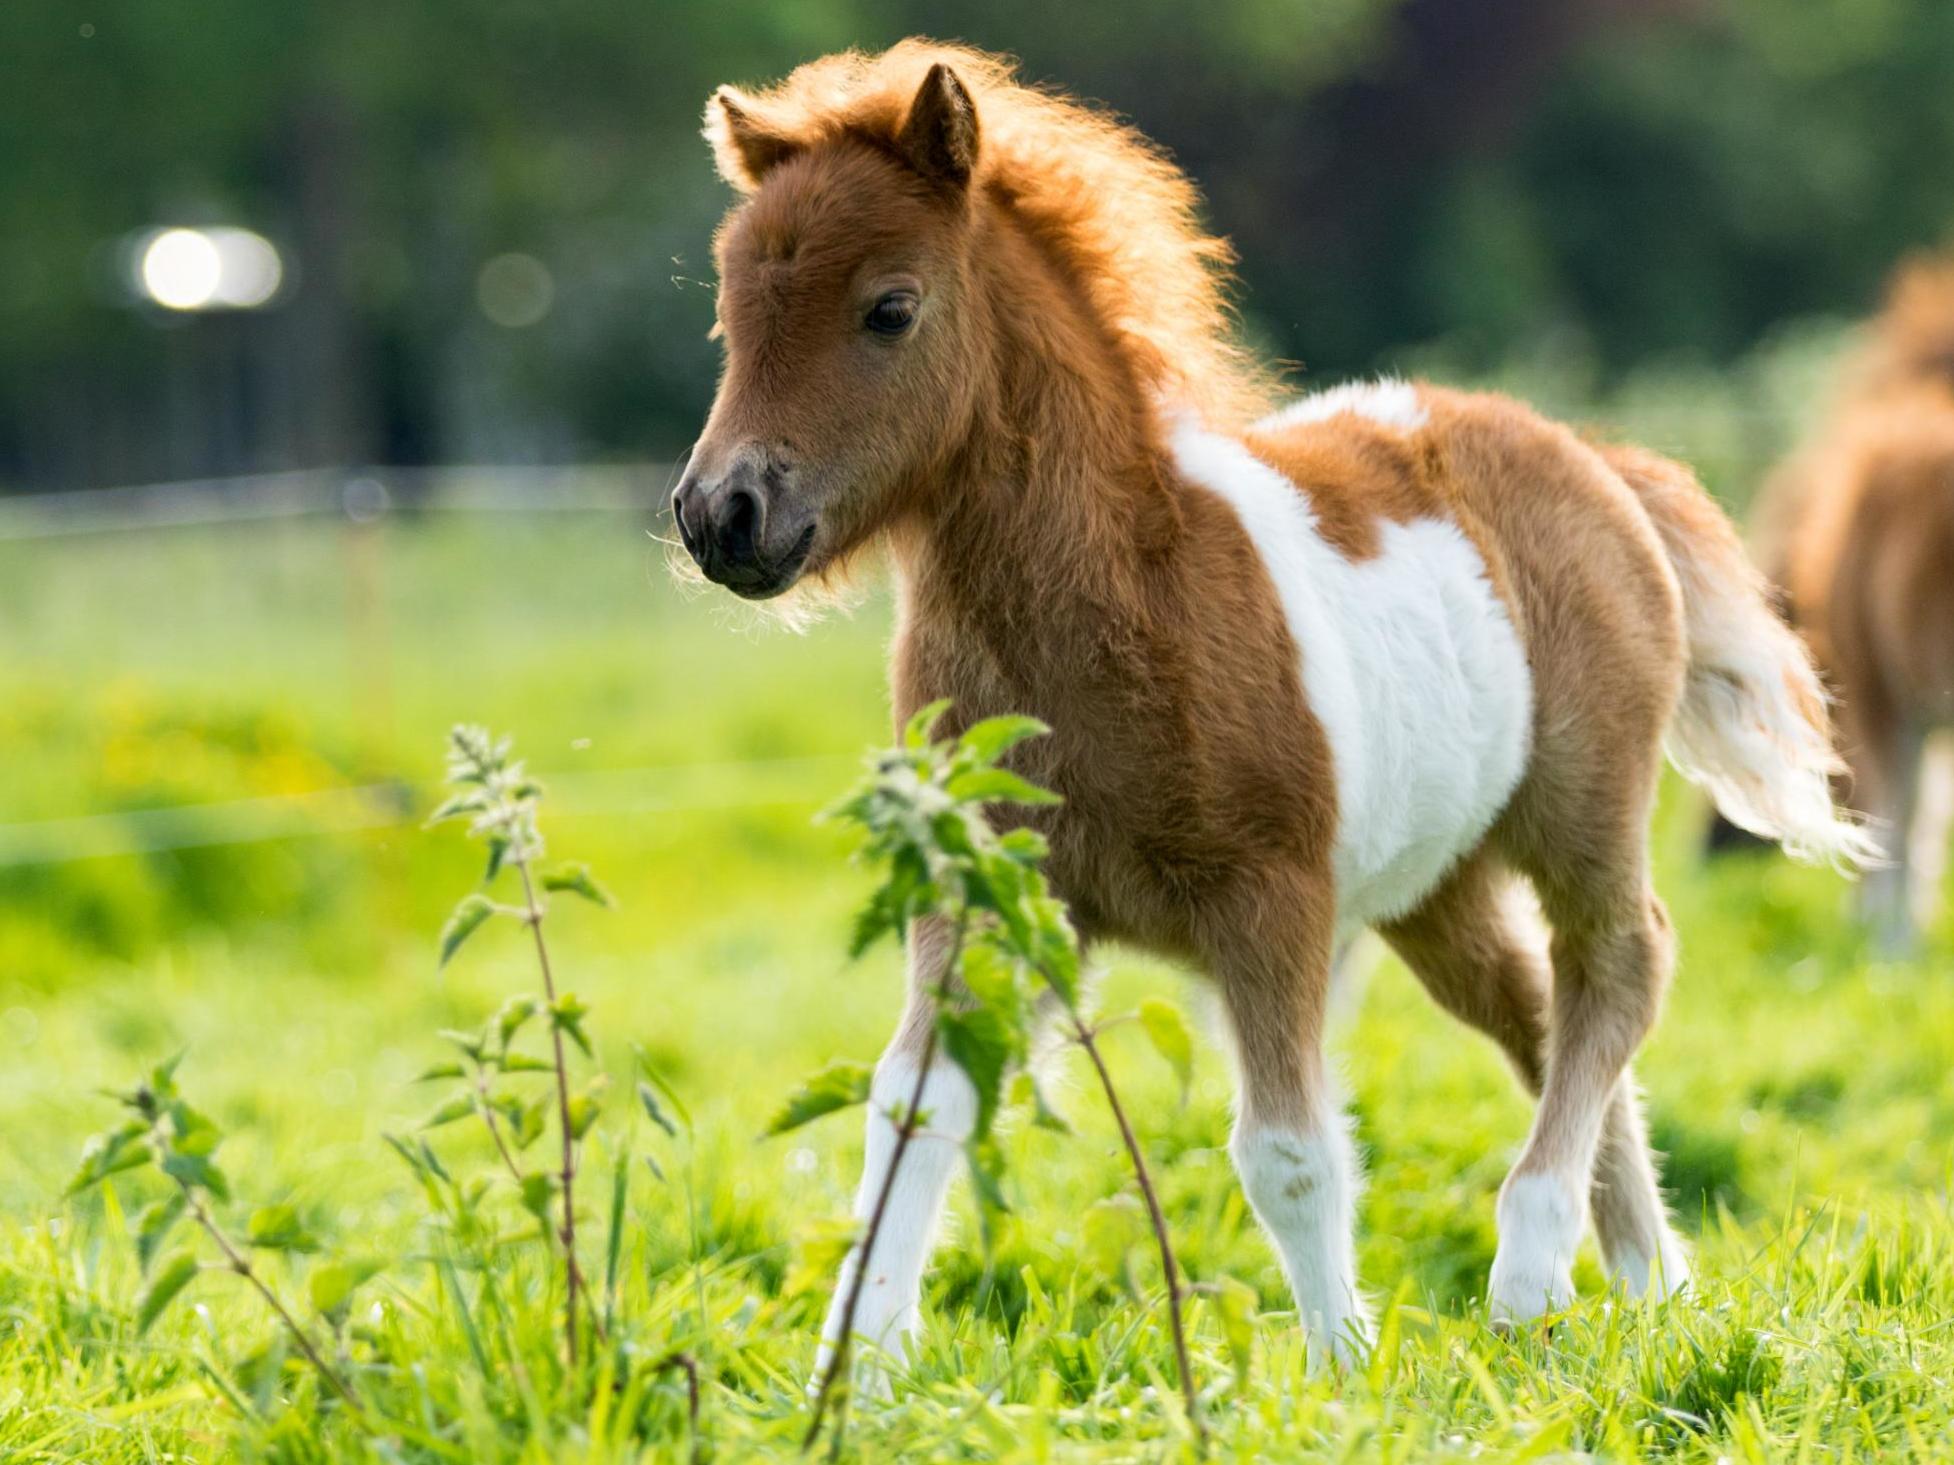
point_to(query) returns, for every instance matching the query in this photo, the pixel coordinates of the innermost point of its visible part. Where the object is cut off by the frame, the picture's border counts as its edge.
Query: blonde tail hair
(1752, 728)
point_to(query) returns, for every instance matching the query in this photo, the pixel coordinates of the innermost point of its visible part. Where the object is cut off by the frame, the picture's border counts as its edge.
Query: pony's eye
(892, 314)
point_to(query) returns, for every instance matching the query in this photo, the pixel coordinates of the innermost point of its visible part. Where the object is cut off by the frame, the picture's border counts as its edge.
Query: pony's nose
(737, 519)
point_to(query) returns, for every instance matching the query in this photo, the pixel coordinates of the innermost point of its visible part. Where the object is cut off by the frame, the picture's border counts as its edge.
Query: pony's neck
(1062, 488)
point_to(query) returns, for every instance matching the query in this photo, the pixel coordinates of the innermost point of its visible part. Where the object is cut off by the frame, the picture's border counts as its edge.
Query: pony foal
(1380, 658)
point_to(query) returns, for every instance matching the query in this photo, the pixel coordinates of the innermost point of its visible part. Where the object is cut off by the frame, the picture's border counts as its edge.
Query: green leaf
(170, 1278)
(916, 732)
(523, 1063)
(406, 1153)
(455, 807)
(838, 1086)
(577, 880)
(1057, 950)
(614, 1233)
(278, 1228)
(440, 1071)
(474, 1044)
(587, 1105)
(1167, 1030)
(459, 1107)
(153, 1225)
(433, 1161)
(529, 1123)
(982, 1045)
(123, 1148)
(991, 739)
(197, 1171)
(882, 914)
(998, 786)
(991, 977)
(498, 851)
(513, 1015)
(331, 1284)
(567, 1016)
(162, 1078)
(538, 1190)
(190, 1131)
(648, 1097)
(467, 919)
(1026, 846)
(658, 1081)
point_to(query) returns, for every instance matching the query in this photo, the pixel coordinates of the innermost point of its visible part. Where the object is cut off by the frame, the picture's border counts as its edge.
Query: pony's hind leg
(1611, 953)
(1291, 1146)
(1479, 948)
(888, 1312)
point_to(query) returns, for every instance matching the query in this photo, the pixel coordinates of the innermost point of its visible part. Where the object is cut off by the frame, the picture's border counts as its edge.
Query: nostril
(739, 524)
(682, 505)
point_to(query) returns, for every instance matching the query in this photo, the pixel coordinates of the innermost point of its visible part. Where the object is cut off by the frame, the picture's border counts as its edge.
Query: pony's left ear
(939, 138)
(744, 146)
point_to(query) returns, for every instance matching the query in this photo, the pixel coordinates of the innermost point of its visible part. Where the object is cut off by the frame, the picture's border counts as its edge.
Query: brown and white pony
(1382, 657)
(1858, 528)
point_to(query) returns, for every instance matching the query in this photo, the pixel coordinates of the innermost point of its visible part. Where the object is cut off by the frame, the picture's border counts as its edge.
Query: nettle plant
(1014, 960)
(500, 801)
(516, 1096)
(165, 1132)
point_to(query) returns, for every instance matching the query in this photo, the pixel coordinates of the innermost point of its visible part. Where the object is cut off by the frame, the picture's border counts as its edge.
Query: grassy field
(1800, 1089)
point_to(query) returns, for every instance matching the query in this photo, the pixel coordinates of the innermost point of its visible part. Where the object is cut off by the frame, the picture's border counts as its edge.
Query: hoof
(1519, 1294)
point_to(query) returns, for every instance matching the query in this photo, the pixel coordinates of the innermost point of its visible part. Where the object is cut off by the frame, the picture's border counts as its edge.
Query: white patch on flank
(1387, 400)
(889, 1309)
(1303, 1187)
(1411, 664)
(1540, 1218)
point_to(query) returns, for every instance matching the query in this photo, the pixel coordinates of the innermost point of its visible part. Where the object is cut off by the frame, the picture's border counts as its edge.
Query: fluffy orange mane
(1106, 203)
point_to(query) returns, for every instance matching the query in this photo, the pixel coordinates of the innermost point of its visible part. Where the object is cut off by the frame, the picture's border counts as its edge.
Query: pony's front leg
(1292, 1146)
(888, 1311)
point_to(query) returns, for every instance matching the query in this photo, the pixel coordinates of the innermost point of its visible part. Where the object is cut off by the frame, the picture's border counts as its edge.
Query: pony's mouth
(761, 579)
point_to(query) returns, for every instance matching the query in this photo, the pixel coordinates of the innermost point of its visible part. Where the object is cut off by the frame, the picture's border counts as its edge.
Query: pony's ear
(939, 138)
(743, 145)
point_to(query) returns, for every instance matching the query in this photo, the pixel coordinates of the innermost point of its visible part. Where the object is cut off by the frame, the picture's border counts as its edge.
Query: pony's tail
(1752, 727)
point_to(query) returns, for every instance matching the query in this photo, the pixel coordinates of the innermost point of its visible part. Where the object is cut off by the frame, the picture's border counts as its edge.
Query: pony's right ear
(939, 137)
(745, 148)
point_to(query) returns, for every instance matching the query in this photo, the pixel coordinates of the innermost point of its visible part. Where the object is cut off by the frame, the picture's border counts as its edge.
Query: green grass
(1801, 1090)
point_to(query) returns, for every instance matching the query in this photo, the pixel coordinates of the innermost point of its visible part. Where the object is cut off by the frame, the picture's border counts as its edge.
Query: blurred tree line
(496, 213)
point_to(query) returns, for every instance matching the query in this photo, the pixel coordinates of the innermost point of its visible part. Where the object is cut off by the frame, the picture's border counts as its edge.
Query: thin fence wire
(609, 793)
(361, 494)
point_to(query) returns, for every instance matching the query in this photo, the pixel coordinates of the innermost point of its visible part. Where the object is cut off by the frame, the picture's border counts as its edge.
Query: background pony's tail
(1752, 728)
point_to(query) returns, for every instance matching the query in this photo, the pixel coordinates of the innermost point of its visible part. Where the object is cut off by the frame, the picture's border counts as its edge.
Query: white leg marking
(1655, 1277)
(1303, 1186)
(889, 1310)
(1540, 1220)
